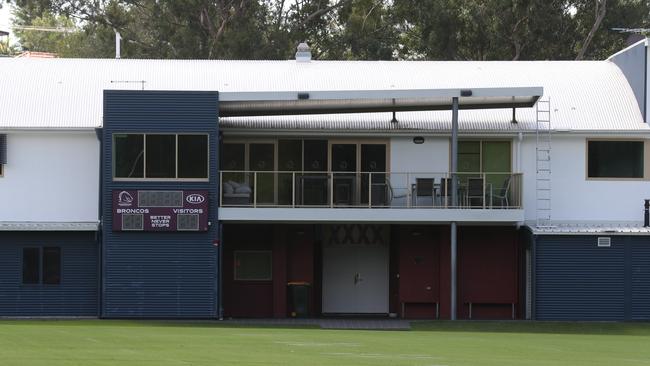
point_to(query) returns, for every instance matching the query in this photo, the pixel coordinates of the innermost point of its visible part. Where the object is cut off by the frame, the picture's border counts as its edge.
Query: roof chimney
(303, 53)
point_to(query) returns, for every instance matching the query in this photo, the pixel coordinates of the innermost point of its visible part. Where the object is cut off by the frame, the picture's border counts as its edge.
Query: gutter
(429, 133)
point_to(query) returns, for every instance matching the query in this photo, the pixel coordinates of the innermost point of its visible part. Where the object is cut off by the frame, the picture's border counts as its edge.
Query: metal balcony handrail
(366, 189)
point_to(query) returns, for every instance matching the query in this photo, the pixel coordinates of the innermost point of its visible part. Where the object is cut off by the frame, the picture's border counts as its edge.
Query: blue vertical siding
(159, 275)
(640, 277)
(576, 280)
(76, 295)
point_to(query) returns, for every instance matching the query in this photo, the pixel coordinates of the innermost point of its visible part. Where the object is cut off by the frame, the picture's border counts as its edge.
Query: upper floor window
(3, 153)
(160, 156)
(615, 159)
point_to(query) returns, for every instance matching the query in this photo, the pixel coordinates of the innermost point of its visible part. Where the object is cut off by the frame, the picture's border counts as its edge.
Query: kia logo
(195, 199)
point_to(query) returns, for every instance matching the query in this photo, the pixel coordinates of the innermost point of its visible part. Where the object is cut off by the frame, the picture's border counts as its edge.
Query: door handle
(357, 278)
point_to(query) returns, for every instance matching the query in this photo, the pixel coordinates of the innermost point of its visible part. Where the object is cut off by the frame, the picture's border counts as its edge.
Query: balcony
(369, 196)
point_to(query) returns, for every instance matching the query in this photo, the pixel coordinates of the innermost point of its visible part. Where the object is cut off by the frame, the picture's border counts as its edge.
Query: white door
(355, 279)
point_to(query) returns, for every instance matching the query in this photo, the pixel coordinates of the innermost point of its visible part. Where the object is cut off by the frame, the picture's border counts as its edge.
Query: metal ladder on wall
(543, 163)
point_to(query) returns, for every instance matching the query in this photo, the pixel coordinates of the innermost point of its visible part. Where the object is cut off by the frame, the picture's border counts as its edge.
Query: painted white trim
(379, 215)
(48, 226)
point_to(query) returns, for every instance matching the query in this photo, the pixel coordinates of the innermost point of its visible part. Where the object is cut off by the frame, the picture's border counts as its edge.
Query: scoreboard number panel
(151, 210)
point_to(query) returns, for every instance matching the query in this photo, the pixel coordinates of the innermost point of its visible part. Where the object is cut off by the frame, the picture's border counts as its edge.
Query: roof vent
(303, 53)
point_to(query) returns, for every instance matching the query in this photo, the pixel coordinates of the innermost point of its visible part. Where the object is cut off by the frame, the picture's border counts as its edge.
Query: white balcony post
(255, 189)
(331, 180)
(408, 190)
(369, 189)
(293, 189)
(484, 196)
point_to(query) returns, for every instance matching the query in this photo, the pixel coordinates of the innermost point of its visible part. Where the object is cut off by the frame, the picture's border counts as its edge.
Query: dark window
(31, 266)
(315, 155)
(51, 265)
(233, 157)
(129, 156)
(3, 153)
(192, 156)
(615, 159)
(3, 149)
(161, 156)
(253, 265)
(45, 261)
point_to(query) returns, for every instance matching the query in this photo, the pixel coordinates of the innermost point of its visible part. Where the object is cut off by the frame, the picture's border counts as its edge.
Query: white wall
(574, 198)
(50, 177)
(431, 156)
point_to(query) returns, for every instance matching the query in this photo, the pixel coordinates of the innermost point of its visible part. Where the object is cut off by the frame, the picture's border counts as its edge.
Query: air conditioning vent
(604, 242)
(132, 222)
(187, 222)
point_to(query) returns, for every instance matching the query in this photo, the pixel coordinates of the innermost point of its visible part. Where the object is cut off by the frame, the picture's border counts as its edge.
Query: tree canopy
(335, 29)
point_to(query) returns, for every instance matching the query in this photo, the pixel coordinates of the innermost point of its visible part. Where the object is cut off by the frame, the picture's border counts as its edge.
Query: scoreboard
(152, 210)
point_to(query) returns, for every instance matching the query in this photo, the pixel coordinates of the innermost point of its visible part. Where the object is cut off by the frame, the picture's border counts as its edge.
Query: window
(42, 266)
(484, 156)
(615, 159)
(51, 265)
(491, 157)
(253, 265)
(31, 266)
(160, 156)
(3, 153)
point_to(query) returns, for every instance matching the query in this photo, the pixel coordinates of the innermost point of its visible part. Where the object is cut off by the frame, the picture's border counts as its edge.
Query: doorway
(355, 278)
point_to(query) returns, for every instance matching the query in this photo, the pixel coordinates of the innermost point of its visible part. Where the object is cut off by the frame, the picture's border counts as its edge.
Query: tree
(338, 29)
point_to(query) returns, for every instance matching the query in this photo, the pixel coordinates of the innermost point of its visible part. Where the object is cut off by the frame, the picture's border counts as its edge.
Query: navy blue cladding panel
(159, 275)
(640, 277)
(576, 280)
(77, 293)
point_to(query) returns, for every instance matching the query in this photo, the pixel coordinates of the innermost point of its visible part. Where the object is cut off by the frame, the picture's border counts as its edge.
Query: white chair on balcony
(503, 193)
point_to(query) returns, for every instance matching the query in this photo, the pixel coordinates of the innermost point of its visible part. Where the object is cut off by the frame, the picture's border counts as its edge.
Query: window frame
(481, 141)
(41, 266)
(645, 156)
(234, 261)
(144, 162)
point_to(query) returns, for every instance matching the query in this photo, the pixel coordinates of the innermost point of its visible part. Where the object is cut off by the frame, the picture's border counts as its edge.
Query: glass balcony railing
(370, 189)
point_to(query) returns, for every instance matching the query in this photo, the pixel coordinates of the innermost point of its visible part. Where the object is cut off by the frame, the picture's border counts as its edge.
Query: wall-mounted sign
(418, 140)
(160, 210)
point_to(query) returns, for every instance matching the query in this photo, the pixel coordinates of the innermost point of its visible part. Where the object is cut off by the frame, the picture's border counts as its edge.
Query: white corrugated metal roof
(48, 226)
(67, 93)
(586, 228)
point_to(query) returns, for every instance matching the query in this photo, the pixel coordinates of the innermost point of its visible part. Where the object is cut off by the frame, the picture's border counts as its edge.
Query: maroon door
(418, 280)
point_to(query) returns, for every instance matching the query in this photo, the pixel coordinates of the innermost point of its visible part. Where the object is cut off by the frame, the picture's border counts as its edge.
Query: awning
(238, 104)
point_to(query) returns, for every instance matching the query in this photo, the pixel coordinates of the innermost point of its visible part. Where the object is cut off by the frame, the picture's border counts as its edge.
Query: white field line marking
(318, 344)
(380, 355)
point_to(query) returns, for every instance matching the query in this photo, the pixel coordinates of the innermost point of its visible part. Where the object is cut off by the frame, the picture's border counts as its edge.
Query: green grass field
(94, 342)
